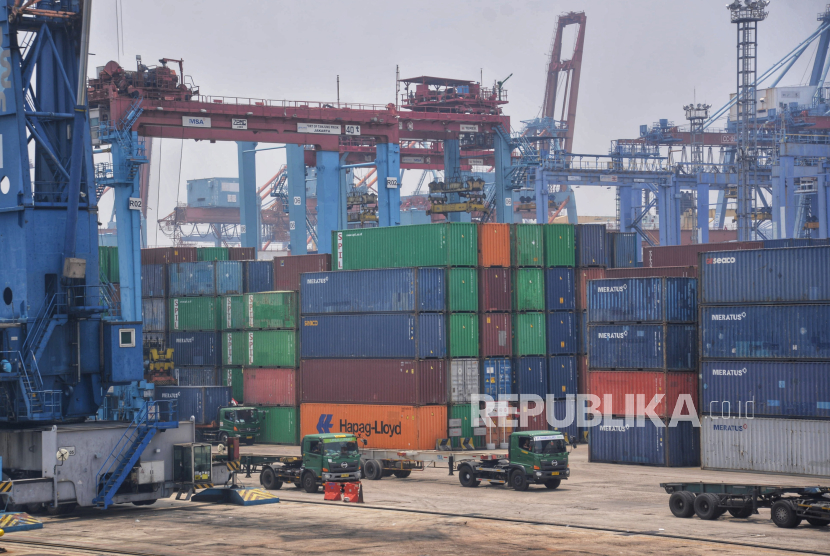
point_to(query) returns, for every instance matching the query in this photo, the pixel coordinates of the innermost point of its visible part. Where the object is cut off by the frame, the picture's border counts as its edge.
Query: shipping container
(530, 376)
(496, 333)
(211, 253)
(642, 346)
(582, 332)
(763, 445)
(793, 242)
(497, 377)
(287, 270)
(668, 386)
(529, 336)
(446, 244)
(194, 313)
(562, 333)
(191, 279)
(281, 425)
(494, 245)
(562, 376)
(202, 403)
(560, 415)
(765, 388)
(432, 336)
(615, 442)
(462, 424)
(528, 289)
(232, 312)
(646, 272)
(258, 275)
(383, 426)
(495, 292)
(625, 247)
(462, 290)
(241, 253)
(270, 310)
(560, 247)
(590, 245)
(527, 245)
(374, 381)
(464, 381)
(464, 337)
(198, 376)
(766, 332)
(154, 315)
(229, 277)
(687, 255)
(582, 385)
(196, 349)
(154, 280)
(271, 387)
(642, 300)
(234, 348)
(168, 255)
(108, 266)
(235, 378)
(271, 348)
(560, 294)
(583, 275)
(765, 276)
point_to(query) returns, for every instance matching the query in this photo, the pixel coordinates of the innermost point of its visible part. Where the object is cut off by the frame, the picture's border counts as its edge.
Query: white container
(464, 380)
(791, 446)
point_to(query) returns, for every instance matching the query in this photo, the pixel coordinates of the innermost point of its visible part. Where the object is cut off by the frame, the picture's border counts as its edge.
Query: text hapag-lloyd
(369, 429)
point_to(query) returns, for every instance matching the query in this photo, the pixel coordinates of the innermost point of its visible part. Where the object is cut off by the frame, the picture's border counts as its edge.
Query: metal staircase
(151, 418)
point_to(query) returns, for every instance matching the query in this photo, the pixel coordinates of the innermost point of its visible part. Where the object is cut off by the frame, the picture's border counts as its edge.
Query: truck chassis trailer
(379, 463)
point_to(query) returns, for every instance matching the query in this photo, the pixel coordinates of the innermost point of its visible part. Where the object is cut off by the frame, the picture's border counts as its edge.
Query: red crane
(571, 68)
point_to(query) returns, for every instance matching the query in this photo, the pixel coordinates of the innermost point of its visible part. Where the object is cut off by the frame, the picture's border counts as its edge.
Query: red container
(167, 255)
(270, 386)
(494, 293)
(287, 270)
(533, 422)
(581, 285)
(494, 245)
(653, 272)
(582, 374)
(241, 254)
(374, 381)
(686, 255)
(649, 383)
(496, 333)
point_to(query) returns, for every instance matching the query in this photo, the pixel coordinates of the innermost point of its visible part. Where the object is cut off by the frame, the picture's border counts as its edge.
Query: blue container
(191, 279)
(200, 402)
(590, 245)
(765, 388)
(650, 444)
(559, 289)
(389, 290)
(153, 280)
(582, 331)
(497, 377)
(765, 276)
(196, 349)
(530, 376)
(562, 333)
(259, 276)
(198, 376)
(562, 376)
(794, 242)
(670, 347)
(229, 277)
(154, 315)
(557, 412)
(625, 250)
(766, 332)
(432, 336)
(642, 300)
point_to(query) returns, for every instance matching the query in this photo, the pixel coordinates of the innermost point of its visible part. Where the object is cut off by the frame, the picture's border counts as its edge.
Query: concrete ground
(602, 509)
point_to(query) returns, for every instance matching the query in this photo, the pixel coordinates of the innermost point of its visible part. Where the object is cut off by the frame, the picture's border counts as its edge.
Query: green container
(463, 335)
(560, 249)
(462, 412)
(108, 264)
(280, 425)
(212, 254)
(271, 310)
(234, 348)
(271, 348)
(462, 292)
(529, 336)
(233, 377)
(528, 289)
(447, 244)
(103, 264)
(527, 245)
(193, 313)
(231, 312)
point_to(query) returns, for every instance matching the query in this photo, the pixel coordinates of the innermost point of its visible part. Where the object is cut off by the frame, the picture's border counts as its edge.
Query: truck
(539, 457)
(243, 422)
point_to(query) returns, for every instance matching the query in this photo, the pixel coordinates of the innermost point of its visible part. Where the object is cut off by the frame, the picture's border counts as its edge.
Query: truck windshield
(241, 415)
(549, 446)
(336, 449)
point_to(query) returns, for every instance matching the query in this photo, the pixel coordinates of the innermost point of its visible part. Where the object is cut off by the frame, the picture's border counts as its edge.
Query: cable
(117, 35)
(121, 12)
(158, 189)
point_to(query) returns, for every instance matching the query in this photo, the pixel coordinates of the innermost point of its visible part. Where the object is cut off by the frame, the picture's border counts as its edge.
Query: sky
(643, 60)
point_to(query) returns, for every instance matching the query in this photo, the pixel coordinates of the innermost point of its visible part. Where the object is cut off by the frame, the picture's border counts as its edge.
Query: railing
(302, 104)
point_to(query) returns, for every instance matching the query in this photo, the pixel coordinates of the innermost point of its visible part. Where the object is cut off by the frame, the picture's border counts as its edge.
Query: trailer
(379, 463)
(789, 505)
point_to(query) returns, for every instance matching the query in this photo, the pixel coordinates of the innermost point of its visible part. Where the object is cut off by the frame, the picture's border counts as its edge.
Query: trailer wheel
(35, 508)
(467, 478)
(706, 506)
(373, 470)
(783, 514)
(269, 480)
(310, 482)
(403, 474)
(741, 513)
(518, 480)
(553, 484)
(817, 521)
(682, 504)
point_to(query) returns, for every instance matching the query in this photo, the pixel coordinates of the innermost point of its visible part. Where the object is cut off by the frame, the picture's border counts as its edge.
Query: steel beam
(541, 187)
(389, 193)
(328, 186)
(702, 212)
(503, 200)
(823, 204)
(295, 166)
(248, 205)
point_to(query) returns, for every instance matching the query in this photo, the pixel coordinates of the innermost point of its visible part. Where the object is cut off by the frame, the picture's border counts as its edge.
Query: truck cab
(241, 422)
(325, 458)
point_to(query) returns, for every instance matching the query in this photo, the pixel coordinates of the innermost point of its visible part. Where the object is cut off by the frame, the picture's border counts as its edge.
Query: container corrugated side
(241, 253)
(582, 332)
(560, 292)
(235, 378)
(432, 289)
(270, 310)
(496, 333)
(669, 386)
(462, 416)
(462, 290)
(370, 336)
(625, 250)
(432, 336)
(229, 277)
(390, 290)
(687, 255)
(212, 253)
(497, 377)
(562, 330)
(280, 425)
(191, 279)
(795, 275)
(766, 388)
(198, 376)
(383, 426)
(551, 417)
(168, 255)
(613, 442)
(234, 348)
(643, 300)
(527, 245)
(154, 315)
(646, 272)
(194, 313)
(259, 276)
(559, 245)
(153, 280)
(495, 292)
(271, 387)
(642, 346)
(590, 245)
(562, 376)
(195, 348)
(200, 402)
(494, 245)
(464, 336)
(529, 336)
(232, 312)
(763, 445)
(528, 289)
(583, 275)
(766, 332)
(271, 348)
(287, 270)
(530, 376)
(464, 380)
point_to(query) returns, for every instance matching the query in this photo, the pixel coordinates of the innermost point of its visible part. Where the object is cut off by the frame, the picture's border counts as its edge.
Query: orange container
(494, 245)
(383, 426)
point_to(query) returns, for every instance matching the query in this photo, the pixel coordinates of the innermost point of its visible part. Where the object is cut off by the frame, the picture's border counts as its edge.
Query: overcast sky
(643, 60)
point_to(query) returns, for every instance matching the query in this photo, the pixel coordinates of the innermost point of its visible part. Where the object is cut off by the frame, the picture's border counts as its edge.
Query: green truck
(241, 422)
(539, 457)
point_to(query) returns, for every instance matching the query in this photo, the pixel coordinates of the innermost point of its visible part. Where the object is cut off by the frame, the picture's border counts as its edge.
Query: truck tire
(518, 480)
(373, 470)
(269, 480)
(402, 474)
(223, 438)
(706, 506)
(783, 514)
(298, 484)
(467, 478)
(741, 513)
(682, 504)
(35, 508)
(817, 521)
(249, 442)
(310, 482)
(553, 484)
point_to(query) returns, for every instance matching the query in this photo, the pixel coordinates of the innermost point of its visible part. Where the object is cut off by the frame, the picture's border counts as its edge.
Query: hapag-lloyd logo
(729, 372)
(368, 429)
(612, 289)
(720, 260)
(730, 316)
(612, 335)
